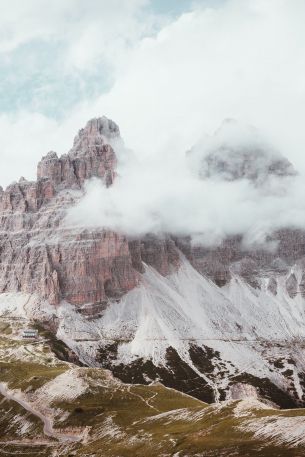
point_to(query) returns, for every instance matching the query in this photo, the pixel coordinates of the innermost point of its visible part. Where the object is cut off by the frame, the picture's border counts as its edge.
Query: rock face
(91, 155)
(234, 153)
(244, 164)
(39, 254)
(231, 257)
(240, 391)
(160, 307)
(237, 152)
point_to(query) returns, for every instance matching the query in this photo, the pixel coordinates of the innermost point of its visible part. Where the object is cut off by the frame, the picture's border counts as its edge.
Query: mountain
(211, 322)
(237, 152)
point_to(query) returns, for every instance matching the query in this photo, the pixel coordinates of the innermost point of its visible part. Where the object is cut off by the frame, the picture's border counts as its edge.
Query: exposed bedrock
(258, 297)
(40, 253)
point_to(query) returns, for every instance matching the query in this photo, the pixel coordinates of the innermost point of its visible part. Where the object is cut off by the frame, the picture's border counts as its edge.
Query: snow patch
(67, 386)
(289, 431)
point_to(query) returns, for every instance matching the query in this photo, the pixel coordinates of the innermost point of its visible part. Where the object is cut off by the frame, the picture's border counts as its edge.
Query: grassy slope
(25, 366)
(123, 420)
(136, 429)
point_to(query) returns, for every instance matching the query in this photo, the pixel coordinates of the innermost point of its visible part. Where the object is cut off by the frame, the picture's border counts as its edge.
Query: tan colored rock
(242, 391)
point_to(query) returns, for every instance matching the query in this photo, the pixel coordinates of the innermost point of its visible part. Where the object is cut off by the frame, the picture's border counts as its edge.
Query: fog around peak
(168, 82)
(167, 194)
(238, 151)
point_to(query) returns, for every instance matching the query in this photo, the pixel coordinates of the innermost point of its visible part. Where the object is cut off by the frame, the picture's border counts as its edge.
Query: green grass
(216, 433)
(22, 375)
(127, 403)
(12, 416)
(25, 450)
(5, 328)
(124, 420)
(142, 429)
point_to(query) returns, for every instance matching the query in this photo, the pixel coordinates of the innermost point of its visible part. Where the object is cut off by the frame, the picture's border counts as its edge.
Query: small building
(30, 333)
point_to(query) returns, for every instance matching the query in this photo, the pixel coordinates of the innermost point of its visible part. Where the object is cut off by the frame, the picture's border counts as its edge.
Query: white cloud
(24, 138)
(170, 195)
(85, 29)
(83, 38)
(243, 60)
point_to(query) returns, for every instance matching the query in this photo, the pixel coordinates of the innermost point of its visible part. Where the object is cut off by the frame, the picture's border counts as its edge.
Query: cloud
(25, 138)
(243, 59)
(85, 30)
(55, 57)
(173, 197)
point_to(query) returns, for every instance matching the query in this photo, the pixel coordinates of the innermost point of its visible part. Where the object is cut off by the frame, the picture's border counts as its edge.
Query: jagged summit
(98, 131)
(238, 151)
(197, 318)
(91, 156)
(101, 125)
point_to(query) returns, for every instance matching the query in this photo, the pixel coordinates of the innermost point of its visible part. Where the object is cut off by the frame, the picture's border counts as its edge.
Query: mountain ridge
(158, 306)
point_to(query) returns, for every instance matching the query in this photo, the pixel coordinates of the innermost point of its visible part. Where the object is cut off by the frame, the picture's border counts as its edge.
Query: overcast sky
(167, 71)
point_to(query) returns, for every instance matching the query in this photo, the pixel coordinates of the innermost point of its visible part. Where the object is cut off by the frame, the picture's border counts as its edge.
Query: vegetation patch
(177, 374)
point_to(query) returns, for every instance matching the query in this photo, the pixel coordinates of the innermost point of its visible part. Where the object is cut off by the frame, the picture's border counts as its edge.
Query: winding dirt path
(48, 429)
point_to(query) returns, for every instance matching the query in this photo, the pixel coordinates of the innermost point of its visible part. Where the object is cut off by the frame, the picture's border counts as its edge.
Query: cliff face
(91, 155)
(231, 258)
(38, 253)
(199, 315)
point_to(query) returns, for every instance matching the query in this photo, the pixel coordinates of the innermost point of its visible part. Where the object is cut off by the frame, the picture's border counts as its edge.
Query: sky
(58, 58)
(168, 72)
(162, 69)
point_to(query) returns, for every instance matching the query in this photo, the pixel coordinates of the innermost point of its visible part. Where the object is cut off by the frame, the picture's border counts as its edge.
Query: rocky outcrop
(91, 156)
(158, 331)
(246, 164)
(240, 391)
(237, 152)
(40, 254)
(160, 253)
(232, 257)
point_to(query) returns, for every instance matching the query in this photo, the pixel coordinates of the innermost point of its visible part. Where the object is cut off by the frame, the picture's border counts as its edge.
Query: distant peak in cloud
(231, 183)
(238, 151)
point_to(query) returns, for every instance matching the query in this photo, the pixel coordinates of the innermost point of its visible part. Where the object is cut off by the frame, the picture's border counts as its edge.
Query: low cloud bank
(169, 194)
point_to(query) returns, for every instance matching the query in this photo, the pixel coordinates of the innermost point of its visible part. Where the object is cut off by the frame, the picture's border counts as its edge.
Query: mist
(170, 193)
(169, 82)
(166, 87)
(242, 60)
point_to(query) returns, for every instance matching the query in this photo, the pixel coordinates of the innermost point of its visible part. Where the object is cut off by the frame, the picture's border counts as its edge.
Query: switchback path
(48, 429)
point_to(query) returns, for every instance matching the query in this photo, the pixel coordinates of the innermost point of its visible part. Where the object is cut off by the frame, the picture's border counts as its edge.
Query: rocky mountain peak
(113, 304)
(237, 152)
(91, 156)
(97, 132)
